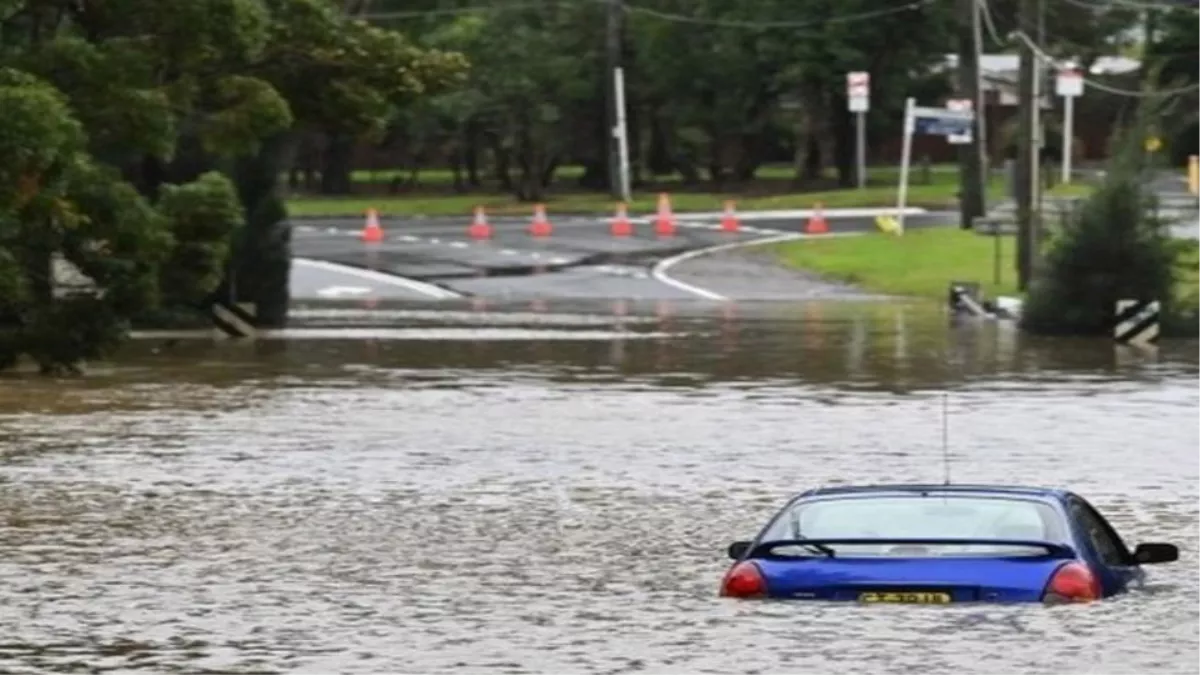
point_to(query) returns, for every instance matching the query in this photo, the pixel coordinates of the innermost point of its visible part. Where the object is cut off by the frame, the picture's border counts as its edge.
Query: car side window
(1108, 545)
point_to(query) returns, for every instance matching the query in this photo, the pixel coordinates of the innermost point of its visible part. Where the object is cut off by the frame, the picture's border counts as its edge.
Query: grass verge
(919, 264)
(938, 191)
(922, 263)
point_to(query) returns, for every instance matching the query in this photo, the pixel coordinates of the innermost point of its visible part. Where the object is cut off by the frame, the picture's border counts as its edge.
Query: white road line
(421, 287)
(659, 271)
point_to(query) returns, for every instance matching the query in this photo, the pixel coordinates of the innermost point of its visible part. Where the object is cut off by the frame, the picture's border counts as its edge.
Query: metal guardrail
(1002, 220)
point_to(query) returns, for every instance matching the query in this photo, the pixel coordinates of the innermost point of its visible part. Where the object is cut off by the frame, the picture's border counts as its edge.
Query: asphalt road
(434, 259)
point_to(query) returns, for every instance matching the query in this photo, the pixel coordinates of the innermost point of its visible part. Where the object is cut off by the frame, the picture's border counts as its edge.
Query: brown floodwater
(551, 489)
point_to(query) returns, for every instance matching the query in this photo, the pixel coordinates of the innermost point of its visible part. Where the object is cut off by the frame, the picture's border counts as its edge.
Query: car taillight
(744, 580)
(1073, 582)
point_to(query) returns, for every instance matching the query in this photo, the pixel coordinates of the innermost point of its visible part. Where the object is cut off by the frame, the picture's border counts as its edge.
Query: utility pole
(971, 172)
(613, 61)
(1036, 189)
(1023, 187)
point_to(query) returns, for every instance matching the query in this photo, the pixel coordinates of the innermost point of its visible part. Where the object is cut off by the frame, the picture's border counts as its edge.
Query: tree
(1114, 247)
(1174, 55)
(142, 145)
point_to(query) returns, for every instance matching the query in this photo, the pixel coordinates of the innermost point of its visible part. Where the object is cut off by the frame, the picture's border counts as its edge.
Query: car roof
(1056, 494)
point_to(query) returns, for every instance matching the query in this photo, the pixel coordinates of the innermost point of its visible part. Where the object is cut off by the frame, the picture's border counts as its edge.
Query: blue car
(938, 544)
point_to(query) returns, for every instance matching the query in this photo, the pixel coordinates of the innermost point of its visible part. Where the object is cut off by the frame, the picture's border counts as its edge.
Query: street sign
(950, 128)
(939, 121)
(942, 113)
(960, 105)
(858, 91)
(930, 121)
(1069, 83)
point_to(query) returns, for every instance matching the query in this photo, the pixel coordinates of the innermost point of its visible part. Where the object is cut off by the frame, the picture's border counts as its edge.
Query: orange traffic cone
(729, 221)
(664, 223)
(816, 223)
(372, 233)
(480, 229)
(540, 227)
(621, 227)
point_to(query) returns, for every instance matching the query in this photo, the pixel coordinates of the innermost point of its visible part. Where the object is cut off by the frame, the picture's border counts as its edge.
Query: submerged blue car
(938, 544)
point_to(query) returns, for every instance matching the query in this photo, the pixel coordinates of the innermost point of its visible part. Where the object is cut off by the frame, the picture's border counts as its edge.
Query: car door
(1117, 569)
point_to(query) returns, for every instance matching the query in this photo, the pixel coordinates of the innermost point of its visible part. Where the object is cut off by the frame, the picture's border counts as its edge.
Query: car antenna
(945, 439)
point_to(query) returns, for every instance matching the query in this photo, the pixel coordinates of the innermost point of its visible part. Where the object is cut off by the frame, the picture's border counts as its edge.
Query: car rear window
(920, 517)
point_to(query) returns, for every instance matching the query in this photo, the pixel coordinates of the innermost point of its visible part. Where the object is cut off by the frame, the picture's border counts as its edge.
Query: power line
(472, 9)
(1047, 58)
(733, 23)
(1131, 4)
(656, 14)
(1042, 55)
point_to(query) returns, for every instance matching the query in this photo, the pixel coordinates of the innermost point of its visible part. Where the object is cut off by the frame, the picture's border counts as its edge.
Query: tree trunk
(335, 167)
(260, 263)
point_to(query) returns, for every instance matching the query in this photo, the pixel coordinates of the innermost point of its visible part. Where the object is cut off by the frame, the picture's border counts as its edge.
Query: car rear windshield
(920, 517)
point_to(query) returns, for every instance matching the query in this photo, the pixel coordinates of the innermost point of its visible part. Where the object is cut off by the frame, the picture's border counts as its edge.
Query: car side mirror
(738, 549)
(1148, 554)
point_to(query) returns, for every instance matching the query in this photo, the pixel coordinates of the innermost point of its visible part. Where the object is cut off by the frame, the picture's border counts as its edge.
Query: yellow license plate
(902, 597)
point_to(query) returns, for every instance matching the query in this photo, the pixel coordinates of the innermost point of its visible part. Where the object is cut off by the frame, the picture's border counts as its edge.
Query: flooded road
(525, 502)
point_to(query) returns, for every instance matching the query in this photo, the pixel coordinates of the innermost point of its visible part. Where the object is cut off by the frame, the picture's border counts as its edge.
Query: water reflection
(886, 346)
(383, 505)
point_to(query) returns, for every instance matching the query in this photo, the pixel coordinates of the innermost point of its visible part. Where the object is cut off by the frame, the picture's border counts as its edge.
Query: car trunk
(922, 580)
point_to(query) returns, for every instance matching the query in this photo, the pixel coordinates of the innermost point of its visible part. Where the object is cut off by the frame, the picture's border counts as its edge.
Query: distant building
(1094, 124)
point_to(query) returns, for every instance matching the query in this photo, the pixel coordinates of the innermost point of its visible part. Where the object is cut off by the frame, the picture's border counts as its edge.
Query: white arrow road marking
(344, 291)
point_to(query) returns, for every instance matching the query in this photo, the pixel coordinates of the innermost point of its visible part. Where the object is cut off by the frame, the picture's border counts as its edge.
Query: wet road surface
(534, 505)
(580, 259)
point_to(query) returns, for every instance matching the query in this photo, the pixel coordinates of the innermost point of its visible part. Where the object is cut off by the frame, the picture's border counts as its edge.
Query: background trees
(142, 142)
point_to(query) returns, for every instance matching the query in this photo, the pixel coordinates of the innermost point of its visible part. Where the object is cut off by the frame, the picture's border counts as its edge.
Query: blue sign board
(933, 126)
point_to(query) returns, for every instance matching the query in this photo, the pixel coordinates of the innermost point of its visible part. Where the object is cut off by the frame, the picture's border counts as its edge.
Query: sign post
(621, 133)
(1069, 86)
(932, 122)
(858, 101)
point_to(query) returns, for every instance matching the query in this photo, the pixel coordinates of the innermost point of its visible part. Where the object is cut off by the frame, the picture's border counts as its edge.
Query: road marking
(421, 287)
(343, 291)
(659, 271)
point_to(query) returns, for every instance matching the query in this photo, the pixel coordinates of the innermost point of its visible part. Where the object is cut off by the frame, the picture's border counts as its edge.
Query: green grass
(1187, 270)
(772, 190)
(921, 263)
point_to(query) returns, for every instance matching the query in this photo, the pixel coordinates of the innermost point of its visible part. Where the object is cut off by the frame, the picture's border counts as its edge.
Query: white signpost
(858, 101)
(1069, 86)
(931, 122)
(621, 133)
(959, 104)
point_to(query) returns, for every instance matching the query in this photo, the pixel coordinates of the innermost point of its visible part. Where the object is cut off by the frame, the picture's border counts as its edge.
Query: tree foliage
(714, 88)
(1114, 247)
(141, 145)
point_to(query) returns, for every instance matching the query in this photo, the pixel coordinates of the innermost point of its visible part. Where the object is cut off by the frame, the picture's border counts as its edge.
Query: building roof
(1003, 66)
